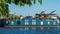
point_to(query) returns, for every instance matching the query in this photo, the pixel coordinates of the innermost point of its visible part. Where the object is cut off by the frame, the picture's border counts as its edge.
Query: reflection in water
(26, 28)
(29, 31)
(33, 28)
(41, 28)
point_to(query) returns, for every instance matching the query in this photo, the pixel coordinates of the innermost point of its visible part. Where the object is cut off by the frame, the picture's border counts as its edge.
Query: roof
(45, 14)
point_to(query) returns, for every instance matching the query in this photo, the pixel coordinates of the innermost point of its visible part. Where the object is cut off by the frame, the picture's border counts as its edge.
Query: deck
(32, 26)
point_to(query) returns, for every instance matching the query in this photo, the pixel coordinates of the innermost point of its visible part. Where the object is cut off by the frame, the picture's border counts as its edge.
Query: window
(54, 23)
(48, 22)
(41, 22)
(12, 22)
(26, 22)
(33, 22)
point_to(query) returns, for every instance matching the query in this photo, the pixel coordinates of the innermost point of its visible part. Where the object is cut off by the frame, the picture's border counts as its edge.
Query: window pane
(26, 22)
(48, 23)
(33, 22)
(41, 22)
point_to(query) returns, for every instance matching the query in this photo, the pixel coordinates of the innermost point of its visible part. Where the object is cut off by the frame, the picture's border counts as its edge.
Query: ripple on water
(29, 31)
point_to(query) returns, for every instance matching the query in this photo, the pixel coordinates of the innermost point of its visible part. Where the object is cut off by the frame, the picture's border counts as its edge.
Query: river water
(29, 31)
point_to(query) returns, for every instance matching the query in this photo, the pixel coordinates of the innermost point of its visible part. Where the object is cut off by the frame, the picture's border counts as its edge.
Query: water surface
(29, 31)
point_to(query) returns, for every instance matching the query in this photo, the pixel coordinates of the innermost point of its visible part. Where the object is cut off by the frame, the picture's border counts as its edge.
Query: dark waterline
(29, 31)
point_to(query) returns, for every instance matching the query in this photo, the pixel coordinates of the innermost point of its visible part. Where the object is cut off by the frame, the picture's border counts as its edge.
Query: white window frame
(26, 22)
(33, 22)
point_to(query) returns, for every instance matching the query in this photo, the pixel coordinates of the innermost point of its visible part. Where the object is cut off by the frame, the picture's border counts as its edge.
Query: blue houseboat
(37, 20)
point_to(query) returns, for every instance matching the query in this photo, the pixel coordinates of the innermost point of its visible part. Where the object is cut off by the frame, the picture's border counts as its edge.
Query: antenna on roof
(43, 12)
(52, 11)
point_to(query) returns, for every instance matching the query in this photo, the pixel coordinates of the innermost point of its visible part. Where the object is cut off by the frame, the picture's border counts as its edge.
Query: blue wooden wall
(38, 22)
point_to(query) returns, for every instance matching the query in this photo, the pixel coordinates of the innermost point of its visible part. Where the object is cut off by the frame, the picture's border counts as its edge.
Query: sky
(47, 6)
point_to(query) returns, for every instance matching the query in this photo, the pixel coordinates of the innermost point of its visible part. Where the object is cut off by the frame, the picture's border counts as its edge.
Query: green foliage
(4, 11)
(4, 6)
(23, 2)
(40, 1)
(58, 17)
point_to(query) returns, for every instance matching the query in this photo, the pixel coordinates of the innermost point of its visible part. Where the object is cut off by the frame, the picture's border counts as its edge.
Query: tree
(23, 2)
(4, 4)
(3, 8)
